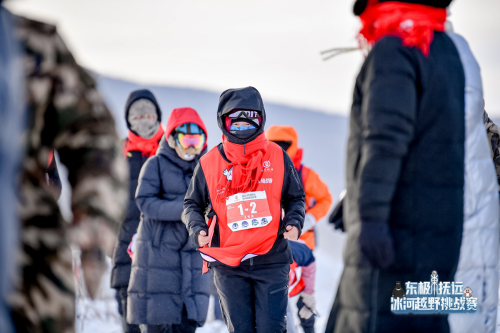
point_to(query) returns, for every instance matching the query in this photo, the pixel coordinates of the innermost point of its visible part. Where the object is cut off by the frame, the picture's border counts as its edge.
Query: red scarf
(414, 24)
(148, 147)
(246, 161)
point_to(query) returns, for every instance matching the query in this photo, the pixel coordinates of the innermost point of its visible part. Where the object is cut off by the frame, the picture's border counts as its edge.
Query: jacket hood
(137, 95)
(181, 116)
(240, 99)
(284, 133)
(360, 5)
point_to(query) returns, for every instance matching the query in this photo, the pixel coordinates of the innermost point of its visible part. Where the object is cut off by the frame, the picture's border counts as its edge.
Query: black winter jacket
(120, 273)
(166, 270)
(198, 200)
(405, 168)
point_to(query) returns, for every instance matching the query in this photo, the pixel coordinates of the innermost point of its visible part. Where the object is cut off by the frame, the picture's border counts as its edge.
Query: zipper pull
(244, 149)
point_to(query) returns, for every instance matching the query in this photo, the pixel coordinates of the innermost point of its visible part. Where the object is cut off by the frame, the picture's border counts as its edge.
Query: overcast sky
(272, 45)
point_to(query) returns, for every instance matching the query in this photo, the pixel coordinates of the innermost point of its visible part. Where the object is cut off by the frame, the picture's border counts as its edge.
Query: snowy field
(101, 315)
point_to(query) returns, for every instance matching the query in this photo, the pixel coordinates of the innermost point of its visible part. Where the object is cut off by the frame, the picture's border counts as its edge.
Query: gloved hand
(337, 216)
(309, 222)
(376, 244)
(309, 306)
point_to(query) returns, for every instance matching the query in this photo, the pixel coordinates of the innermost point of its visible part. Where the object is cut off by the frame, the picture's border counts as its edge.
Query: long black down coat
(166, 270)
(120, 273)
(405, 167)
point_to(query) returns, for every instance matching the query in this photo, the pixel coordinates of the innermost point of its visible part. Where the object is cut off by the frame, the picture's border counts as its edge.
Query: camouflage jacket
(494, 140)
(65, 113)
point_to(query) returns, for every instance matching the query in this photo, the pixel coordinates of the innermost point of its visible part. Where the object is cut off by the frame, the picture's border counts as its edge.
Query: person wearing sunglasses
(167, 291)
(243, 185)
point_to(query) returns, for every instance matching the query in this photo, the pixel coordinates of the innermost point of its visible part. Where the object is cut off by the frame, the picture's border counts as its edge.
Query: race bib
(248, 210)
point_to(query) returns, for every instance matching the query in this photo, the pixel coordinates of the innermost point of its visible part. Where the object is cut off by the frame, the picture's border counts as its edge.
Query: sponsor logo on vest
(228, 174)
(266, 164)
(255, 222)
(235, 226)
(266, 181)
(264, 221)
(248, 196)
(244, 224)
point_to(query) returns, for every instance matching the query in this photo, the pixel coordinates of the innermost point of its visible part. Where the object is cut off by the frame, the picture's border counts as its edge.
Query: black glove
(376, 244)
(336, 217)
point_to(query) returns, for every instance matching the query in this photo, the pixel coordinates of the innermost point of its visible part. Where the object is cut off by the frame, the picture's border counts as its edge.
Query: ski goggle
(244, 114)
(190, 140)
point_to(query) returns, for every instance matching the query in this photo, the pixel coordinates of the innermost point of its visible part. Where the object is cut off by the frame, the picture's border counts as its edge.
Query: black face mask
(246, 134)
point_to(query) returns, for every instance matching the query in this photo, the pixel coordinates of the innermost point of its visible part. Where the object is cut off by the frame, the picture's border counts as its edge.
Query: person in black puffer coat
(143, 116)
(420, 197)
(167, 291)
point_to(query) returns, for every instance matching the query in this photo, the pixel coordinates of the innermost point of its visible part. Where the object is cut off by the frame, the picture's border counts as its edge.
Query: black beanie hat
(360, 5)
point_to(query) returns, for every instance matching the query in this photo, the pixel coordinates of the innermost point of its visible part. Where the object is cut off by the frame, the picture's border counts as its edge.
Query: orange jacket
(318, 198)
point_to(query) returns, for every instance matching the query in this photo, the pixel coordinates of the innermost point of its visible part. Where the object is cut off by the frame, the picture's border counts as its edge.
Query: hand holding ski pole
(291, 233)
(203, 238)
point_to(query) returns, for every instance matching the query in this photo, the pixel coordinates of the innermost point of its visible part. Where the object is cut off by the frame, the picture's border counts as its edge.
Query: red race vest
(248, 222)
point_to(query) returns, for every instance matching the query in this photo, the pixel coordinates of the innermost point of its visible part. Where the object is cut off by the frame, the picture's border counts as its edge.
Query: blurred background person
(302, 282)
(318, 203)
(143, 117)
(167, 291)
(318, 198)
(12, 114)
(66, 114)
(420, 197)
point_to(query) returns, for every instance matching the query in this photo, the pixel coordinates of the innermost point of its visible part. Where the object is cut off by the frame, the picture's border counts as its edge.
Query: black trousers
(253, 297)
(121, 298)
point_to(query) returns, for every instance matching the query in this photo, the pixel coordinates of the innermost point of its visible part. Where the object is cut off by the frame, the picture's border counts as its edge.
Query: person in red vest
(241, 186)
(318, 198)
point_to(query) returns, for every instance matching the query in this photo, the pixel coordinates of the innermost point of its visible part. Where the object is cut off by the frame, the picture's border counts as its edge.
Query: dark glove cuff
(195, 231)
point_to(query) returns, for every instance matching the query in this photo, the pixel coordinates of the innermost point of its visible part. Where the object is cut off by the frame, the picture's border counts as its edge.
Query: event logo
(467, 292)
(228, 174)
(267, 164)
(432, 296)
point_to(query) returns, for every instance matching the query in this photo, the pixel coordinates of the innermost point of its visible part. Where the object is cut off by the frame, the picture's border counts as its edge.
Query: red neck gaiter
(414, 24)
(246, 161)
(148, 147)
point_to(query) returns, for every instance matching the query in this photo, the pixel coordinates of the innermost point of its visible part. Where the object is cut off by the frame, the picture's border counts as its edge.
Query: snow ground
(101, 315)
